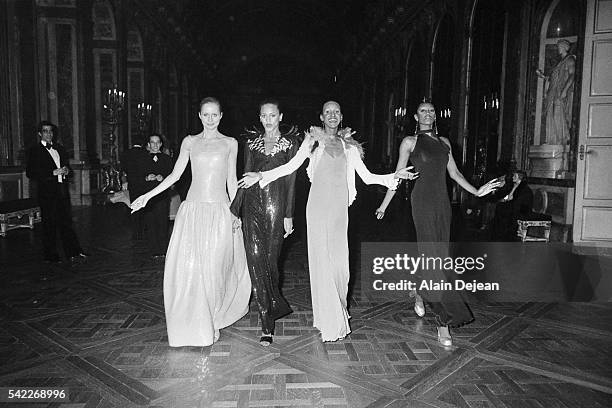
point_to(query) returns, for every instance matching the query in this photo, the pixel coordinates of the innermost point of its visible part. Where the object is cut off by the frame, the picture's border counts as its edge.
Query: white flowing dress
(206, 279)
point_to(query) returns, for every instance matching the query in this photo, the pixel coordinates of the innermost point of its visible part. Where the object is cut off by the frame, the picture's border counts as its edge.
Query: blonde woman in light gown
(332, 168)
(206, 280)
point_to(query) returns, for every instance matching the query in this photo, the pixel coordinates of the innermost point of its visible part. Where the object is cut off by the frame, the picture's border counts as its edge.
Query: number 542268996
(34, 394)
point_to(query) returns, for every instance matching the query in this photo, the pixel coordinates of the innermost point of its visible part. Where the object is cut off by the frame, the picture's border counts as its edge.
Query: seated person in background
(516, 204)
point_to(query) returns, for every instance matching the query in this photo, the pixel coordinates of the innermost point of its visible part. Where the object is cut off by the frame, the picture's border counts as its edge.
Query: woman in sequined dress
(267, 215)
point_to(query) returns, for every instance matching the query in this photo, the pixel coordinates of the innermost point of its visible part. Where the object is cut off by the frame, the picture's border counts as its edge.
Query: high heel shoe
(265, 339)
(444, 336)
(419, 307)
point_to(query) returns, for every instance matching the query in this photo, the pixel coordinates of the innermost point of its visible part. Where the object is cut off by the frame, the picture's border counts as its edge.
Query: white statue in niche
(558, 103)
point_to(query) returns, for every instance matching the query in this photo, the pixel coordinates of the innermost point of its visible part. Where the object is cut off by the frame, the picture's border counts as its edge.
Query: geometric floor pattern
(98, 329)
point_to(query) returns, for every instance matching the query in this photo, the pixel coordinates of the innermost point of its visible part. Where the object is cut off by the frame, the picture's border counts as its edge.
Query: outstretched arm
(388, 180)
(287, 168)
(266, 177)
(179, 167)
(456, 175)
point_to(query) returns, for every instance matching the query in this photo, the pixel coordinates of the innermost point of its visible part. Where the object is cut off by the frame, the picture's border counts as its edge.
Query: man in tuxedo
(133, 163)
(156, 168)
(47, 165)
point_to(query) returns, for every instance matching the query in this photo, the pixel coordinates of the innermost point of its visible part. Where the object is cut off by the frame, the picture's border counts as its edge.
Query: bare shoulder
(230, 142)
(187, 141)
(446, 141)
(408, 143)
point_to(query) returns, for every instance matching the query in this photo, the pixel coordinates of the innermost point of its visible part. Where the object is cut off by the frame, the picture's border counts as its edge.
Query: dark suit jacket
(162, 166)
(133, 163)
(40, 166)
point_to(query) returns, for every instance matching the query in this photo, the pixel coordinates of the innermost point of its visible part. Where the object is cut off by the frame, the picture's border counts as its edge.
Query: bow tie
(49, 146)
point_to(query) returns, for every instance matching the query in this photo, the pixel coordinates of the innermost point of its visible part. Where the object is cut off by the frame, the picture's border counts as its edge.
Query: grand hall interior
(102, 101)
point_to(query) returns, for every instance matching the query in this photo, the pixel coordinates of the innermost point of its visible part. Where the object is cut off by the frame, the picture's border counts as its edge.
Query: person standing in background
(156, 167)
(47, 165)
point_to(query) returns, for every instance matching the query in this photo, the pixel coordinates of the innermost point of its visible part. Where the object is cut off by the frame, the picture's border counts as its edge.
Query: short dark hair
(161, 138)
(330, 101)
(210, 99)
(43, 123)
(270, 101)
(425, 101)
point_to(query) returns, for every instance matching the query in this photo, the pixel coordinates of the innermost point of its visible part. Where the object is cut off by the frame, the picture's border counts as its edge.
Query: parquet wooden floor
(98, 328)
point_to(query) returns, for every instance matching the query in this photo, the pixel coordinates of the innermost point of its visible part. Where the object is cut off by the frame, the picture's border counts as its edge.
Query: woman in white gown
(206, 280)
(332, 168)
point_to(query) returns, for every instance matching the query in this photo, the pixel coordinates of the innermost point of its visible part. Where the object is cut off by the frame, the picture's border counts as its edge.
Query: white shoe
(444, 336)
(419, 307)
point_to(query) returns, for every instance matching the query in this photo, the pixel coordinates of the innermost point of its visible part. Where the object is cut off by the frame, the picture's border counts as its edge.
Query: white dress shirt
(56, 158)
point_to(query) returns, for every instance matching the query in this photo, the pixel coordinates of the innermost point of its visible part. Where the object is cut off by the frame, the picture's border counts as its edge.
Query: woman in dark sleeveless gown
(267, 215)
(432, 158)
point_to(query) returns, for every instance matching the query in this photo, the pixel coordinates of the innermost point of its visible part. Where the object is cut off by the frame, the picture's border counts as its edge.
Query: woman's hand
(346, 132)
(139, 203)
(317, 134)
(236, 223)
(406, 173)
(249, 179)
(288, 224)
(380, 213)
(309, 138)
(488, 188)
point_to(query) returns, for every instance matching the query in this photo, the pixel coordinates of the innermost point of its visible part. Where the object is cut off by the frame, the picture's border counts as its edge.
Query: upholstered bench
(9, 210)
(535, 221)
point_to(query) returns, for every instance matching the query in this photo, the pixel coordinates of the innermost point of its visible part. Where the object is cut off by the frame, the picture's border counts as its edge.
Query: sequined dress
(263, 210)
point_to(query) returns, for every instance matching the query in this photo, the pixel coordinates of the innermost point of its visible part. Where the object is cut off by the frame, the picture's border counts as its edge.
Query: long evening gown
(263, 213)
(431, 211)
(328, 257)
(331, 192)
(206, 280)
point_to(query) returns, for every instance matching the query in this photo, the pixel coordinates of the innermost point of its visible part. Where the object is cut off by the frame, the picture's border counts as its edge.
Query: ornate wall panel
(59, 79)
(104, 21)
(105, 72)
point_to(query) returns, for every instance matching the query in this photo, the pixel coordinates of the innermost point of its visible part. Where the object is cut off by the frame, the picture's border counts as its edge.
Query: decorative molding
(104, 21)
